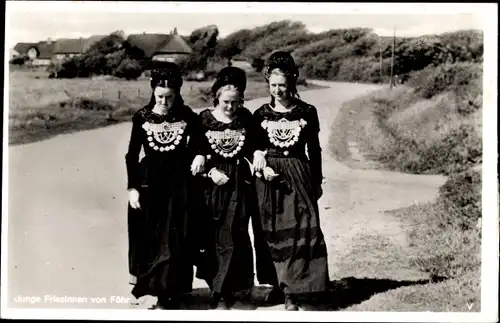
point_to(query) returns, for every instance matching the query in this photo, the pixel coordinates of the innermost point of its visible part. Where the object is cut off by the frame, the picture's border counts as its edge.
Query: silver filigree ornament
(284, 133)
(227, 143)
(164, 136)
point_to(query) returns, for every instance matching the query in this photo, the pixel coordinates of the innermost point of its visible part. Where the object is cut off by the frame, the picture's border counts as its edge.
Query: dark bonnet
(230, 75)
(284, 61)
(170, 73)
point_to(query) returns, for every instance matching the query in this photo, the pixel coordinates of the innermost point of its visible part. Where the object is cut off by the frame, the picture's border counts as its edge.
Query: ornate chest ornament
(226, 143)
(164, 136)
(283, 133)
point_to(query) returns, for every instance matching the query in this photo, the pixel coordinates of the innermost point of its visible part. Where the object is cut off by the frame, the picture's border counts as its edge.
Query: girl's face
(278, 86)
(229, 102)
(164, 96)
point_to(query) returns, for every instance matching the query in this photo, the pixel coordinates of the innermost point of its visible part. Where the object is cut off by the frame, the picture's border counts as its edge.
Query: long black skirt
(161, 233)
(228, 266)
(290, 222)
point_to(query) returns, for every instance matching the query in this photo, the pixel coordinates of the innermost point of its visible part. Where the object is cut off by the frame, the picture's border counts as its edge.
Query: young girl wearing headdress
(160, 223)
(290, 183)
(229, 191)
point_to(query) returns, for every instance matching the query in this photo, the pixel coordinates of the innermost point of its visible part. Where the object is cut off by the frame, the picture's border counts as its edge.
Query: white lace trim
(227, 143)
(284, 133)
(164, 136)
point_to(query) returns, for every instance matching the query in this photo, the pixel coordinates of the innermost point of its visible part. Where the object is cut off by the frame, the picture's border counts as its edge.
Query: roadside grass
(40, 108)
(453, 295)
(443, 246)
(432, 127)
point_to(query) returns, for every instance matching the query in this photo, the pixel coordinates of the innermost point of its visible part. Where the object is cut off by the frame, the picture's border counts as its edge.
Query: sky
(36, 21)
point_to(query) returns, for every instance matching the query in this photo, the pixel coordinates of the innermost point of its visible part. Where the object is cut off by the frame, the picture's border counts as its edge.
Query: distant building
(39, 54)
(149, 48)
(68, 48)
(160, 47)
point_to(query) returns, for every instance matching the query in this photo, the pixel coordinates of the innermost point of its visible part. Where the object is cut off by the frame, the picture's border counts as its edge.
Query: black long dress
(162, 232)
(288, 205)
(230, 206)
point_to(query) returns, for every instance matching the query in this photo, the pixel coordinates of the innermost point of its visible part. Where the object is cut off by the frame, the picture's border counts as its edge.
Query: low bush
(434, 80)
(444, 239)
(461, 196)
(18, 60)
(128, 69)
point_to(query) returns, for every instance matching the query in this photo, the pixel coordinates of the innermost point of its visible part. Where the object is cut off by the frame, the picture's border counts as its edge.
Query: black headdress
(170, 74)
(230, 75)
(284, 61)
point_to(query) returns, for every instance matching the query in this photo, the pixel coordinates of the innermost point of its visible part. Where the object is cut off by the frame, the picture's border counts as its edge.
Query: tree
(203, 41)
(232, 45)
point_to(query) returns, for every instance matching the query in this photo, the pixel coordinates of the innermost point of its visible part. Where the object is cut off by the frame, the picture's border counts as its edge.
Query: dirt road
(67, 212)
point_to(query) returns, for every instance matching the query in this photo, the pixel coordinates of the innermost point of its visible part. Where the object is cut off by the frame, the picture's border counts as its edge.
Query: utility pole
(392, 57)
(380, 55)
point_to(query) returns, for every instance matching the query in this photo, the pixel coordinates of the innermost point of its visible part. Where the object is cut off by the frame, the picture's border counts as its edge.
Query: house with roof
(69, 47)
(160, 47)
(148, 47)
(39, 54)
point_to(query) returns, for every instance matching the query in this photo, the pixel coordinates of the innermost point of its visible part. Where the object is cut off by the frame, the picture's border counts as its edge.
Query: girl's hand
(218, 177)
(259, 160)
(269, 173)
(133, 198)
(198, 165)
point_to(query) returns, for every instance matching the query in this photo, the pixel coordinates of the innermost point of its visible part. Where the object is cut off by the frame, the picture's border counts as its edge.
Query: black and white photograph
(185, 160)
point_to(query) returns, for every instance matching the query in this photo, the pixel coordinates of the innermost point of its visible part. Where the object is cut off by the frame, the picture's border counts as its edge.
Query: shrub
(461, 195)
(358, 69)
(458, 151)
(469, 97)
(258, 64)
(19, 60)
(434, 80)
(128, 69)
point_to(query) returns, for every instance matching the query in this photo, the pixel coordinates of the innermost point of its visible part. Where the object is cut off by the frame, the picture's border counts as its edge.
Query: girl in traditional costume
(229, 191)
(290, 184)
(160, 221)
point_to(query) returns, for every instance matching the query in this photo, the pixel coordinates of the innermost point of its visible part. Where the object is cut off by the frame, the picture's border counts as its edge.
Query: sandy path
(67, 209)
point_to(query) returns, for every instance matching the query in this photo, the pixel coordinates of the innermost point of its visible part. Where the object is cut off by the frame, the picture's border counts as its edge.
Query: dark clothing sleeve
(259, 134)
(197, 144)
(314, 147)
(132, 156)
(250, 136)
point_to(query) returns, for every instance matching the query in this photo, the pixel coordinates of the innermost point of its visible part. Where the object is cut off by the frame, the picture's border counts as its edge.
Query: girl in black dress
(230, 195)
(290, 183)
(160, 223)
